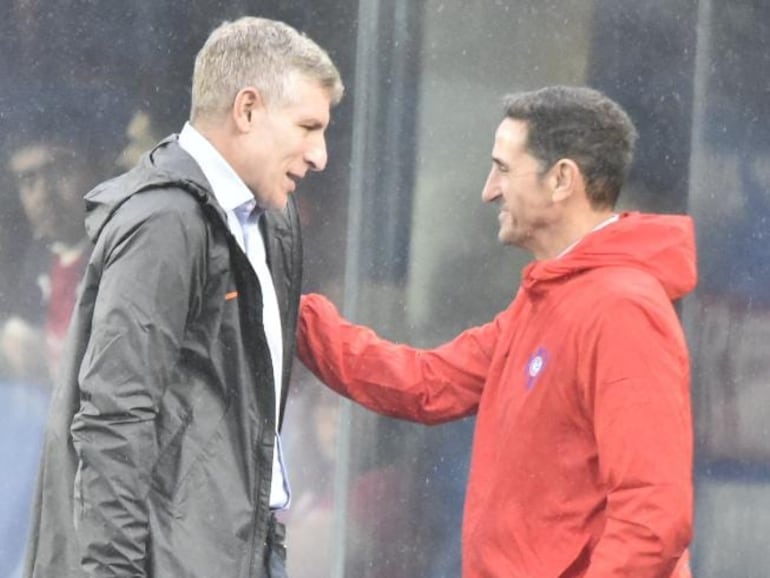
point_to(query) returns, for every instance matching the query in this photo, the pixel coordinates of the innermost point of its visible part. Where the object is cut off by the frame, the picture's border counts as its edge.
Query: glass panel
(728, 318)
(471, 54)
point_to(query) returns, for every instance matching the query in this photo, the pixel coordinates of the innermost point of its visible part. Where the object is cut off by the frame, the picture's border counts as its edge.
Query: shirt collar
(601, 225)
(229, 189)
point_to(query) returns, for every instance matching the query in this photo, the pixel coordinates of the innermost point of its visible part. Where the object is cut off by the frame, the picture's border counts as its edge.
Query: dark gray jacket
(157, 460)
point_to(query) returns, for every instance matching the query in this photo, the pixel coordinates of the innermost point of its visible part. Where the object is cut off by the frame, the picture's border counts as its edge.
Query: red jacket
(582, 455)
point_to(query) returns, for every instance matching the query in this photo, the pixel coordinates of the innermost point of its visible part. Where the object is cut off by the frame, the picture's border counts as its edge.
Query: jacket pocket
(182, 452)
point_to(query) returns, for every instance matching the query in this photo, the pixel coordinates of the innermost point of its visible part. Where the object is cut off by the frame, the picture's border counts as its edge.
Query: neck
(571, 231)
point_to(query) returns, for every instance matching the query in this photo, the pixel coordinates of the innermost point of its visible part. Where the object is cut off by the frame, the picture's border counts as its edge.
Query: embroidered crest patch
(535, 366)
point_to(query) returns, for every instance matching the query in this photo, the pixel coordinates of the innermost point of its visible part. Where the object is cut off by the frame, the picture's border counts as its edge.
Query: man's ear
(566, 179)
(248, 103)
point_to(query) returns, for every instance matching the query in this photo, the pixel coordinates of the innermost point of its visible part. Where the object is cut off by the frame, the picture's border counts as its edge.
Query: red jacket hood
(662, 245)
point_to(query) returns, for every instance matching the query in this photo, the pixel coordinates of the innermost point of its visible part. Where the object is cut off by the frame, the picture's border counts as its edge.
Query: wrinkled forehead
(512, 130)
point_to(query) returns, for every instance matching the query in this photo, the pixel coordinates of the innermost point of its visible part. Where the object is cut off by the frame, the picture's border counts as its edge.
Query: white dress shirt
(239, 204)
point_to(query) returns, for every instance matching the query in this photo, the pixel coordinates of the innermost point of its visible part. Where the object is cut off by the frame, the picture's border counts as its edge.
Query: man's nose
(33, 191)
(316, 155)
(491, 191)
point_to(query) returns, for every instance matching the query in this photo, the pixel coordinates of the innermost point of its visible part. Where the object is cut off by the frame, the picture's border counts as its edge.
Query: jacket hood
(165, 165)
(661, 245)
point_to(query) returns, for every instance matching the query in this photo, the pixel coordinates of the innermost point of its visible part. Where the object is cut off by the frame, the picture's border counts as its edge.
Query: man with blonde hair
(162, 454)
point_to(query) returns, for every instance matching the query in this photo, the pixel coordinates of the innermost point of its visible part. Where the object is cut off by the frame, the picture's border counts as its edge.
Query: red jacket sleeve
(426, 386)
(641, 409)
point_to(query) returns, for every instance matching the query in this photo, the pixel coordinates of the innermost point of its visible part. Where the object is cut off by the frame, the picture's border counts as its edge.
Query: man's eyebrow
(312, 123)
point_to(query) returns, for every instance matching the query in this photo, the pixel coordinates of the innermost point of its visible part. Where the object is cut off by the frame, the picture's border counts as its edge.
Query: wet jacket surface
(582, 454)
(158, 452)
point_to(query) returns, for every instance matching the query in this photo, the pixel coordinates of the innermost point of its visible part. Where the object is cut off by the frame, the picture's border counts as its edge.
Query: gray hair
(258, 52)
(583, 125)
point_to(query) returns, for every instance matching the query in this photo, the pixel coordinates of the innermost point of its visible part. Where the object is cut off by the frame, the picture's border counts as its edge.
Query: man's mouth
(294, 179)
